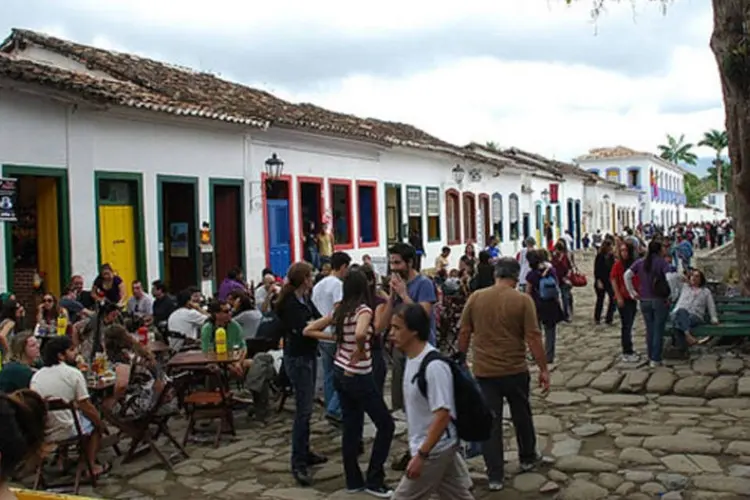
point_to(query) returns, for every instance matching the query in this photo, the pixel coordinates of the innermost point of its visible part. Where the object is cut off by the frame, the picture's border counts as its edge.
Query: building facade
(660, 184)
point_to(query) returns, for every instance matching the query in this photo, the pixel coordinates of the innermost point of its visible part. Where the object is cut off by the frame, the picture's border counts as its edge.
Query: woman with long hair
(295, 310)
(485, 276)
(653, 293)
(245, 313)
(24, 354)
(541, 282)
(109, 286)
(23, 418)
(49, 314)
(355, 384)
(12, 317)
(627, 307)
(562, 261)
(693, 306)
(602, 284)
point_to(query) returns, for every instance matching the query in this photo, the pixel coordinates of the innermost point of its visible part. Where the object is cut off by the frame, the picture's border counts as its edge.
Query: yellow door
(117, 240)
(48, 242)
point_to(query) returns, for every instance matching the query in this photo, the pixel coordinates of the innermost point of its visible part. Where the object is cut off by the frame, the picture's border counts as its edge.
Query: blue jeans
(566, 294)
(683, 321)
(550, 339)
(327, 353)
(359, 396)
(627, 318)
(655, 313)
(301, 372)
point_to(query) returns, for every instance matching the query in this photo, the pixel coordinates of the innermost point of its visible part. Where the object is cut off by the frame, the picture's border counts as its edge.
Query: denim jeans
(301, 372)
(358, 396)
(566, 294)
(600, 295)
(683, 321)
(655, 313)
(550, 339)
(379, 367)
(627, 318)
(327, 353)
(514, 388)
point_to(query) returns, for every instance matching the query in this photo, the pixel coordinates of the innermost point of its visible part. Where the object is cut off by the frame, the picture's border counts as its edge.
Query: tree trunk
(732, 51)
(719, 172)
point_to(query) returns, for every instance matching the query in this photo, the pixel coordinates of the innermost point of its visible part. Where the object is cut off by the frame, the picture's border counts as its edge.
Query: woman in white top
(355, 384)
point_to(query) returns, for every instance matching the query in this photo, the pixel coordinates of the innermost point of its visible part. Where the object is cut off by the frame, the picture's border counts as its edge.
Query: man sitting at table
(256, 373)
(186, 321)
(60, 379)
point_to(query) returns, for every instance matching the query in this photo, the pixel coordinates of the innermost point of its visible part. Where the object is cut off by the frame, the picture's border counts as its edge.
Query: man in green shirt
(220, 317)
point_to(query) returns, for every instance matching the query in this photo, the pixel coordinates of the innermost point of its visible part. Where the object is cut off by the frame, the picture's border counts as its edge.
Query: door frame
(220, 181)
(162, 179)
(399, 211)
(140, 223)
(290, 199)
(321, 207)
(63, 215)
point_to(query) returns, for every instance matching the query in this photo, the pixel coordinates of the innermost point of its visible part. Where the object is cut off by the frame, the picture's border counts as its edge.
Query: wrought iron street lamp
(458, 174)
(274, 168)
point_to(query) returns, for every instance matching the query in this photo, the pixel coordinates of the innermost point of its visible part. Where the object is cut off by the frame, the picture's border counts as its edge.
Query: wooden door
(279, 248)
(117, 241)
(227, 229)
(48, 241)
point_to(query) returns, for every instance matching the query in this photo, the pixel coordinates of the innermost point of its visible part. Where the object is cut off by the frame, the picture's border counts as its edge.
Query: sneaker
(630, 358)
(530, 466)
(353, 491)
(654, 364)
(402, 463)
(495, 486)
(243, 396)
(315, 459)
(382, 491)
(302, 476)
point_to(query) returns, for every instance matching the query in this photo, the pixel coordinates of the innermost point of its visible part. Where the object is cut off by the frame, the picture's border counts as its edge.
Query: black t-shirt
(294, 315)
(162, 308)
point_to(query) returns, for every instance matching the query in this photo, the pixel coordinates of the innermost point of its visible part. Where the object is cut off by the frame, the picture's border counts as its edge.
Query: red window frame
(453, 196)
(321, 207)
(290, 199)
(349, 216)
(470, 230)
(484, 198)
(375, 215)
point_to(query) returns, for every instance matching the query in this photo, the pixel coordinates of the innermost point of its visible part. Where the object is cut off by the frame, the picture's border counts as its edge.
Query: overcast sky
(528, 73)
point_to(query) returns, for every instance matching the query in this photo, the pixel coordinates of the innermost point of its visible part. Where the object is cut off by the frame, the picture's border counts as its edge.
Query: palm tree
(677, 150)
(716, 140)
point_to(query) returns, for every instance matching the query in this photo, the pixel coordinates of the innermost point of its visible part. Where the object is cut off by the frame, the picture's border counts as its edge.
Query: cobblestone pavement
(607, 431)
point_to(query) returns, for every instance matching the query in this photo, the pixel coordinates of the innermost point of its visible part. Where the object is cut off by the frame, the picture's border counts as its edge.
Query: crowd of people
(344, 327)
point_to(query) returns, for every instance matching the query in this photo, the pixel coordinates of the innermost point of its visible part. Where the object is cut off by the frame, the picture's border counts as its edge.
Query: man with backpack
(502, 321)
(434, 412)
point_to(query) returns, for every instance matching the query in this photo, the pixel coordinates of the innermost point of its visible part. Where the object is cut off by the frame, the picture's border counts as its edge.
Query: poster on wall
(178, 239)
(8, 195)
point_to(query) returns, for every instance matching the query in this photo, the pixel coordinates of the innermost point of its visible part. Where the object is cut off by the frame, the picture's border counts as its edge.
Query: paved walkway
(607, 430)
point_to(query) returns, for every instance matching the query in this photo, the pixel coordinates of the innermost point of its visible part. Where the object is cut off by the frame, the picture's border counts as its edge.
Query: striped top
(348, 345)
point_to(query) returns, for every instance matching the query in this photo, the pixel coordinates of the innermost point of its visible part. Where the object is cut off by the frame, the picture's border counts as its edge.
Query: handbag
(577, 279)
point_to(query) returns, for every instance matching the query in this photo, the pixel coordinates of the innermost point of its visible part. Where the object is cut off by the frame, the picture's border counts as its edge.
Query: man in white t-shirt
(529, 244)
(186, 321)
(326, 295)
(60, 379)
(436, 466)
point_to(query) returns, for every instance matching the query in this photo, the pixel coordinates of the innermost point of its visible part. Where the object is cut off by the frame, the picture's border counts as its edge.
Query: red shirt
(617, 277)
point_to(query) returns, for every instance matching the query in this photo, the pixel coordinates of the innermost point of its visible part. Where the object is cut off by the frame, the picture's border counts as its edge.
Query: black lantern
(274, 168)
(458, 174)
(545, 196)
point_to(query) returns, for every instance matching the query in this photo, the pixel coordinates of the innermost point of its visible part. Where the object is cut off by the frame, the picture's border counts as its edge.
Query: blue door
(366, 216)
(279, 252)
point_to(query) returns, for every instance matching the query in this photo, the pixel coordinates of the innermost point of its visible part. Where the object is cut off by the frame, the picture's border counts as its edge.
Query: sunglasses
(48, 301)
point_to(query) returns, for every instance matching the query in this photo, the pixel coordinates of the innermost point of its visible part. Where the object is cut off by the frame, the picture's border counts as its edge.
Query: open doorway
(526, 226)
(393, 215)
(228, 226)
(310, 193)
(578, 223)
(37, 245)
(178, 218)
(119, 212)
(278, 225)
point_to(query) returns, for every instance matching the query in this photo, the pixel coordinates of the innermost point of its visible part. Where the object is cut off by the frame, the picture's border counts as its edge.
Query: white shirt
(420, 410)
(326, 294)
(186, 321)
(142, 306)
(65, 382)
(525, 268)
(569, 241)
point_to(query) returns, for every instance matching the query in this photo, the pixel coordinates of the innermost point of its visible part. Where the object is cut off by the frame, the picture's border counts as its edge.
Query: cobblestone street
(606, 431)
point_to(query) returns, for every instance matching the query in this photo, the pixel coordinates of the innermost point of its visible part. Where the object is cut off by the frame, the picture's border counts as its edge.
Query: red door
(227, 221)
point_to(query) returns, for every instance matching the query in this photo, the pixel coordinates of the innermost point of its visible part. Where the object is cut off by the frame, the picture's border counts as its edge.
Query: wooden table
(197, 358)
(158, 347)
(99, 385)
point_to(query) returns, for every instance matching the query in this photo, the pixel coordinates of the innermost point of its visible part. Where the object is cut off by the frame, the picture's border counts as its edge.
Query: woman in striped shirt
(354, 381)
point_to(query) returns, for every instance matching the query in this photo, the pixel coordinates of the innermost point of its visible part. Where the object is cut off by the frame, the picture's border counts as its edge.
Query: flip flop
(106, 468)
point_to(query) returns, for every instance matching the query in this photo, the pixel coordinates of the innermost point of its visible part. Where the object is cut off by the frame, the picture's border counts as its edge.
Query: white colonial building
(659, 182)
(173, 174)
(714, 209)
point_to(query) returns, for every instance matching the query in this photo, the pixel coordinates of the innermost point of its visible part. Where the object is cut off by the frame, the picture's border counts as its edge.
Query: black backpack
(473, 417)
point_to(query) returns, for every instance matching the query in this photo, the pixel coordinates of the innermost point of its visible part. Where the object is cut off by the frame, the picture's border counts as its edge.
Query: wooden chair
(139, 429)
(213, 401)
(77, 441)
